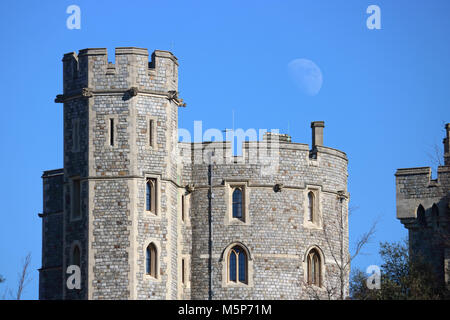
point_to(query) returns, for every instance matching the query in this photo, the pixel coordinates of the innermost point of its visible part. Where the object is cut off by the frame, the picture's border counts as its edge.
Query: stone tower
(147, 217)
(120, 122)
(423, 207)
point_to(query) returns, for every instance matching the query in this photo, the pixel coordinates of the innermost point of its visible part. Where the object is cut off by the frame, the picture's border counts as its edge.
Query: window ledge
(186, 223)
(151, 148)
(321, 289)
(151, 278)
(236, 221)
(311, 225)
(152, 215)
(76, 219)
(236, 285)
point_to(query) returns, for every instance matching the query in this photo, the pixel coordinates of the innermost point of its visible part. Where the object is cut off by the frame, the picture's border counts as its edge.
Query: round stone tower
(290, 232)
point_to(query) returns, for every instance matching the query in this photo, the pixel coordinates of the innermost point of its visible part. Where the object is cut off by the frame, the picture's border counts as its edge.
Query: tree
(339, 254)
(24, 276)
(402, 277)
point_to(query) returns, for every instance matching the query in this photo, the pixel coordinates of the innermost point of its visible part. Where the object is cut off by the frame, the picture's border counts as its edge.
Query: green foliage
(402, 278)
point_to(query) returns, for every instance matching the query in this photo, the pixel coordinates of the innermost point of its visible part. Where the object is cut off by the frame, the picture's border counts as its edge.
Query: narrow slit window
(76, 256)
(76, 198)
(76, 135)
(183, 207)
(111, 132)
(150, 132)
(311, 207)
(183, 270)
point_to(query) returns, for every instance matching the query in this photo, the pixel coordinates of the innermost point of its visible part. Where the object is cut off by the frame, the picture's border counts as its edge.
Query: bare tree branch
(328, 289)
(363, 240)
(436, 155)
(328, 240)
(352, 209)
(344, 259)
(24, 276)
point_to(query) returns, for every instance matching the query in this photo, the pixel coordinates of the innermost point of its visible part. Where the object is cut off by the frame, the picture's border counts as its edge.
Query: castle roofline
(442, 169)
(282, 145)
(54, 172)
(332, 151)
(413, 171)
(120, 51)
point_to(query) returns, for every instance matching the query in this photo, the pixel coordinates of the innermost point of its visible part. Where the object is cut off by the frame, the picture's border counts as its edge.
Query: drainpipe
(342, 272)
(210, 222)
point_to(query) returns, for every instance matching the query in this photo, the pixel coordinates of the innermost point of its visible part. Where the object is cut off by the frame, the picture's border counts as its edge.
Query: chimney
(447, 146)
(317, 133)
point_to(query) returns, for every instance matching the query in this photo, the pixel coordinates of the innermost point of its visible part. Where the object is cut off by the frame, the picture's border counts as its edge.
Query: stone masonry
(110, 110)
(423, 207)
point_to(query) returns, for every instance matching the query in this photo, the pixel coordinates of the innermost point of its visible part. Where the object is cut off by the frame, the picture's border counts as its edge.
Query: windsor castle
(146, 216)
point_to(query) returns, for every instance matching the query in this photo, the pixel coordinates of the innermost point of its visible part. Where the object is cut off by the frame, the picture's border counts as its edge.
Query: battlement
(90, 69)
(416, 187)
(272, 146)
(268, 136)
(413, 171)
(421, 176)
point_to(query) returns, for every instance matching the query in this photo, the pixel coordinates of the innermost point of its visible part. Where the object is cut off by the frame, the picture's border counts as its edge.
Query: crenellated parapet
(271, 147)
(89, 73)
(415, 188)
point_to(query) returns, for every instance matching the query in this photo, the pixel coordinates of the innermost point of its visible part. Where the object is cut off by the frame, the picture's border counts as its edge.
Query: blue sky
(384, 97)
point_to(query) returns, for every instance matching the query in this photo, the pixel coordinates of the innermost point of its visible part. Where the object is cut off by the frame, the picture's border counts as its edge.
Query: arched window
(76, 259)
(435, 214)
(311, 206)
(314, 268)
(237, 265)
(421, 216)
(150, 196)
(151, 260)
(237, 203)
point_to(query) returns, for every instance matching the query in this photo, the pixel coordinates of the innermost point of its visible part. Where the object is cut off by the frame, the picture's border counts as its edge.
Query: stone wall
(50, 274)
(428, 237)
